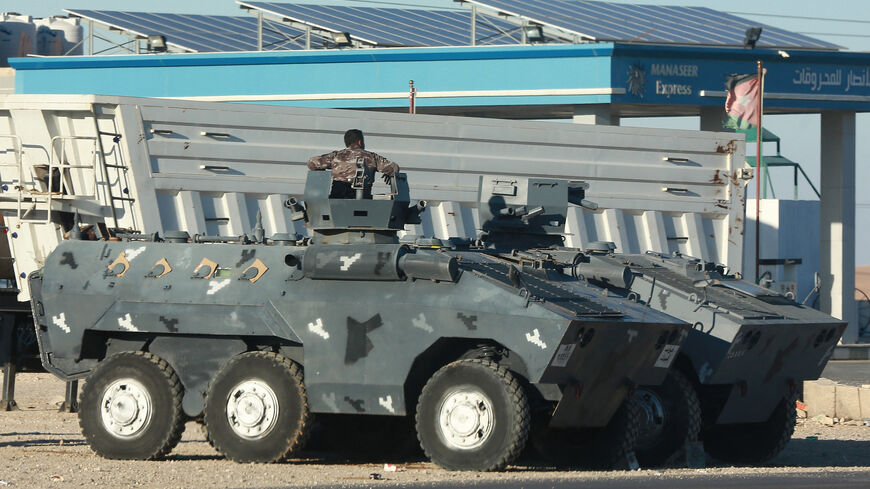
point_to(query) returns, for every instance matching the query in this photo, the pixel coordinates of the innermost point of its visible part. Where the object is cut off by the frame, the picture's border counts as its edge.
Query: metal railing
(57, 161)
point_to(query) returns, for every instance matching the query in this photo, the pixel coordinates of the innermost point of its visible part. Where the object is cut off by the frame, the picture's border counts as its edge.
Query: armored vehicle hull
(747, 354)
(256, 335)
(734, 381)
(370, 324)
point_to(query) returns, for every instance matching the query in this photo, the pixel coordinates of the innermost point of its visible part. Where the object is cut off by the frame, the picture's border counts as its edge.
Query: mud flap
(696, 458)
(7, 362)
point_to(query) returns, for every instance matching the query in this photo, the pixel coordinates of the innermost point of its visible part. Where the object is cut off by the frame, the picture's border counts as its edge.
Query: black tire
(603, 448)
(130, 407)
(752, 443)
(267, 383)
(204, 430)
(491, 423)
(670, 417)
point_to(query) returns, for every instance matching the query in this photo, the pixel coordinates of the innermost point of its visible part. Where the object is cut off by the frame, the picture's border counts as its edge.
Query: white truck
(154, 165)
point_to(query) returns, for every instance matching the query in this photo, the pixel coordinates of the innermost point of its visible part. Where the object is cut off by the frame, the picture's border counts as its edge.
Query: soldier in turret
(353, 162)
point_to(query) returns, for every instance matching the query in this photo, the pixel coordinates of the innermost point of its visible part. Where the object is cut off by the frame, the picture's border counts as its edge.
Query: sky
(843, 22)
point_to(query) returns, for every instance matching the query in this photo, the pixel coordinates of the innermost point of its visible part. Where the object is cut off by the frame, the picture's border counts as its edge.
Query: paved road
(826, 480)
(849, 372)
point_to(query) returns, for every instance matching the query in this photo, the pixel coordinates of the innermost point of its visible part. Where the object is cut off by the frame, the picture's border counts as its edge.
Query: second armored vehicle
(736, 377)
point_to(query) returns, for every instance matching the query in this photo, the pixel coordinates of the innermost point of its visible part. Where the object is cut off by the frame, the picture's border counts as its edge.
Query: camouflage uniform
(343, 166)
(343, 163)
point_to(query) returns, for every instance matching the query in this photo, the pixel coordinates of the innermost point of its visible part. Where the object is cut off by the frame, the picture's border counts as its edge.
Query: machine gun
(530, 212)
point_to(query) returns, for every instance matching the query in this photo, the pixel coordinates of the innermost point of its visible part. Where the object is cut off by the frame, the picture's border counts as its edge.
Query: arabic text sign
(816, 80)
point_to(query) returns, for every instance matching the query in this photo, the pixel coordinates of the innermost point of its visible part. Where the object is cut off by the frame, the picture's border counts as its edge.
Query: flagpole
(412, 98)
(758, 174)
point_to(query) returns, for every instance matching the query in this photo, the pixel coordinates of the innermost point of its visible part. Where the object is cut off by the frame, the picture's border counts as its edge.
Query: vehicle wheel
(593, 448)
(256, 408)
(670, 417)
(130, 407)
(472, 415)
(752, 443)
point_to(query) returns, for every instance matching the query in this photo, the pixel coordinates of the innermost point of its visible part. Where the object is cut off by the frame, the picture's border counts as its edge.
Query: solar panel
(497, 22)
(394, 26)
(603, 21)
(199, 33)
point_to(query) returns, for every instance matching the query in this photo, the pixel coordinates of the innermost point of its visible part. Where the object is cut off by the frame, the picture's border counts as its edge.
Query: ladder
(15, 182)
(112, 198)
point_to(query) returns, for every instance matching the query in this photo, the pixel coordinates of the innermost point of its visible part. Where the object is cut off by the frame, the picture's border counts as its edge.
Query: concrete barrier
(842, 402)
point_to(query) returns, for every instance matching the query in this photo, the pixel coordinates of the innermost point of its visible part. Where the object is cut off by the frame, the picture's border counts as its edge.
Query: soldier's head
(354, 136)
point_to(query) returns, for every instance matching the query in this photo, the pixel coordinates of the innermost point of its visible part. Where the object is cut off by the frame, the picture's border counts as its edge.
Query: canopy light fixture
(157, 44)
(753, 34)
(342, 39)
(533, 33)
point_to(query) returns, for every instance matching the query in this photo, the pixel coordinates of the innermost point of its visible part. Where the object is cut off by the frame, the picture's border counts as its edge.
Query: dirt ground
(40, 447)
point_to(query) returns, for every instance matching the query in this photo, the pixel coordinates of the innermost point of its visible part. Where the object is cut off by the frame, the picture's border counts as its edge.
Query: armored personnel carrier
(749, 349)
(255, 335)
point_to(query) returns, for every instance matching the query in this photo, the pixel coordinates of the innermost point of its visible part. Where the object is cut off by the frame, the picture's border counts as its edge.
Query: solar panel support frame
(189, 31)
(550, 31)
(90, 37)
(572, 34)
(306, 34)
(259, 31)
(473, 25)
(264, 25)
(124, 46)
(476, 18)
(477, 14)
(134, 37)
(308, 28)
(504, 33)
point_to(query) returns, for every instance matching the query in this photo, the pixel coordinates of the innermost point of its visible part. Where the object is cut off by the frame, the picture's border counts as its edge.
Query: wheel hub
(126, 408)
(652, 419)
(252, 409)
(466, 419)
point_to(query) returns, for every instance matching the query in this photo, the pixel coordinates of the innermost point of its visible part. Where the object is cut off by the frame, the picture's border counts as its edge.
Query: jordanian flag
(741, 106)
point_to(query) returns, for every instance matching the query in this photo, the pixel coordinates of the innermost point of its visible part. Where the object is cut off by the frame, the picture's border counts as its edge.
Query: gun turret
(526, 212)
(360, 220)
